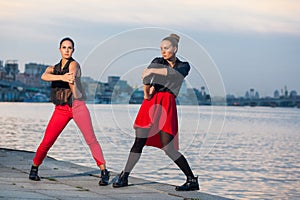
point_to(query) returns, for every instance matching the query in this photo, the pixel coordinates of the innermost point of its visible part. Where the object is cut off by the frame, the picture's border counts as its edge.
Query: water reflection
(255, 157)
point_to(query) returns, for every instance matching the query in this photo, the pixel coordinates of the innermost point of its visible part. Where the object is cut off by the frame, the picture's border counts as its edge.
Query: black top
(61, 93)
(175, 75)
(59, 71)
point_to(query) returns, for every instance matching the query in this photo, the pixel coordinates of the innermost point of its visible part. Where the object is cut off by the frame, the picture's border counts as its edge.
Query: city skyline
(253, 44)
(284, 91)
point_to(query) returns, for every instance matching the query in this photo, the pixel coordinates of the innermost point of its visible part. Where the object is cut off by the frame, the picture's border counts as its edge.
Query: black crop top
(175, 75)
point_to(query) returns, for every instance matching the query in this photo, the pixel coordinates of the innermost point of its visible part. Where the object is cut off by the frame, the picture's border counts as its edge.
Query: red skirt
(158, 114)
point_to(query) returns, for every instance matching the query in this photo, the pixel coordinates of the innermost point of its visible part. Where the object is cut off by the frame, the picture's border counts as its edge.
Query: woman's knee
(140, 140)
(138, 145)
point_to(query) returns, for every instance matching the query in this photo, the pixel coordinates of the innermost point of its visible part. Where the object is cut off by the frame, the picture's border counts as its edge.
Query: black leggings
(168, 147)
(166, 140)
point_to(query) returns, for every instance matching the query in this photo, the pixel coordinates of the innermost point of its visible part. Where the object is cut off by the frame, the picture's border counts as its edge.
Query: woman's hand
(68, 77)
(149, 92)
(147, 96)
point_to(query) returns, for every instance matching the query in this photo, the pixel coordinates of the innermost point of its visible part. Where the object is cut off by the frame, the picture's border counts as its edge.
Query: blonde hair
(173, 38)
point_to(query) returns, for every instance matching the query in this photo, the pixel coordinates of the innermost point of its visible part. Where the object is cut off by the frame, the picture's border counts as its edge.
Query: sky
(251, 43)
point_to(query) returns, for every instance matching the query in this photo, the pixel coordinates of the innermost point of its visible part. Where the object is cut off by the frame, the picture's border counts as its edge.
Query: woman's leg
(57, 123)
(176, 156)
(82, 118)
(60, 118)
(136, 149)
(181, 162)
(134, 156)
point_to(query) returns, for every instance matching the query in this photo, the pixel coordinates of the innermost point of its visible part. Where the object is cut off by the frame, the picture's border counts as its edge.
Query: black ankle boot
(104, 177)
(190, 184)
(33, 175)
(122, 180)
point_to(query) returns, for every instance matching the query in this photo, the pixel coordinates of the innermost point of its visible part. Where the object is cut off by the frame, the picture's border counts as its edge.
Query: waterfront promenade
(65, 180)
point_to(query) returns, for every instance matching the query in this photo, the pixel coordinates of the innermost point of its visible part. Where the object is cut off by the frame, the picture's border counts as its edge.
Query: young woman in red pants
(68, 96)
(156, 123)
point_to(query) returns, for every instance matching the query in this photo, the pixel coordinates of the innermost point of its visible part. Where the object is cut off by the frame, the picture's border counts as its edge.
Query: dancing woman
(156, 123)
(68, 96)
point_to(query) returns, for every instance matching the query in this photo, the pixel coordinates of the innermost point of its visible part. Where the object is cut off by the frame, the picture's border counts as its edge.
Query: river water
(237, 152)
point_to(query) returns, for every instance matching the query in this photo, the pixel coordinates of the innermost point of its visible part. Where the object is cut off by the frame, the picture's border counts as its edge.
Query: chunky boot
(190, 184)
(33, 175)
(104, 177)
(122, 180)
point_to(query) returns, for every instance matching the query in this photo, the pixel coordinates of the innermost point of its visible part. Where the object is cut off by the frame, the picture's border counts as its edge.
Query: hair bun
(175, 36)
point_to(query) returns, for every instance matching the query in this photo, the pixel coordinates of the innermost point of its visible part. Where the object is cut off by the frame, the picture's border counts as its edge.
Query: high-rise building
(35, 69)
(2, 71)
(11, 69)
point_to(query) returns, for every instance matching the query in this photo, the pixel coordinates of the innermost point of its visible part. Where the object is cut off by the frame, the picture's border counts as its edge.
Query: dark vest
(61, 93)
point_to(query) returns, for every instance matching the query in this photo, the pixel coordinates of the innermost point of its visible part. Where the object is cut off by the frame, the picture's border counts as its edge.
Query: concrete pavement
(65, 180)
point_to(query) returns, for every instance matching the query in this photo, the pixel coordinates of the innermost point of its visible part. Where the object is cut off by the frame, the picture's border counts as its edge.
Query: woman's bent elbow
(44, 77)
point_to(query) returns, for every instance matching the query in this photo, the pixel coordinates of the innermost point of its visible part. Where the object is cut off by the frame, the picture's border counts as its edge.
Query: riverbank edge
(66, 180)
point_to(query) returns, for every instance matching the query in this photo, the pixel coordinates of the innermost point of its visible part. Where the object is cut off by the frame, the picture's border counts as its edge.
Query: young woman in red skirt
(156, 123)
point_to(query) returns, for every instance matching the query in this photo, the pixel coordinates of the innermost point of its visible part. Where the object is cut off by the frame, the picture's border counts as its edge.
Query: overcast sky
(253, 43)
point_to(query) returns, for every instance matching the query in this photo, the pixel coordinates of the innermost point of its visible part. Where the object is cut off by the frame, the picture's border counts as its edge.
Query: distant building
(256, 96)
(293, 94)
(276, 94)
(185, 95)
(32, 76)
(35, 69)
(90, 87)
(11, 70)
(251, 94)
(114, 91)
(137, 97)
(121, 92)
(112, 81)
(2, 70)
(192, 96)
(247, 95)
(286, 92)
(203, 93)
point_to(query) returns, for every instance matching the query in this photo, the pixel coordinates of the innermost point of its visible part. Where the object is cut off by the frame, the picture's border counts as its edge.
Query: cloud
(268, 16)
(31, 29)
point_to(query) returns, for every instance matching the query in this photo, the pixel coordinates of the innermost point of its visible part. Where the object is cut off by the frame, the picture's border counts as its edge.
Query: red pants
(60, 118)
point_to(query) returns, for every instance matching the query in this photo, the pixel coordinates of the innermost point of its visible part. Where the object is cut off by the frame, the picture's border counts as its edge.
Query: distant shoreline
(272, 103)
